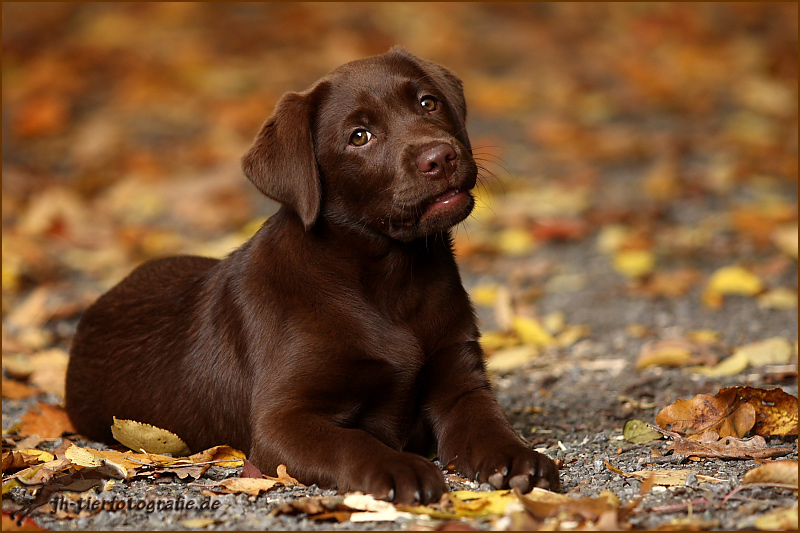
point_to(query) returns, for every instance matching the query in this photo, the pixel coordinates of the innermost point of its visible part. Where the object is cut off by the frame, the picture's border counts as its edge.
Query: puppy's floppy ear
(281, 161)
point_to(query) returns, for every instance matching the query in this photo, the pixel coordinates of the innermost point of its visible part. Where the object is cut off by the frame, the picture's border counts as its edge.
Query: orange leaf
(776, 411)
(49, 422)
(708, 413)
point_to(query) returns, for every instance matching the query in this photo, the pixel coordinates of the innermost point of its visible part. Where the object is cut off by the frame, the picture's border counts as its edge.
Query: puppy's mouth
(446, 207)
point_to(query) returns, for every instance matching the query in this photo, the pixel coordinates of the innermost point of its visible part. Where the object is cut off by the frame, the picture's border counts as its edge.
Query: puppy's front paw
(514, 467)
(402, 478)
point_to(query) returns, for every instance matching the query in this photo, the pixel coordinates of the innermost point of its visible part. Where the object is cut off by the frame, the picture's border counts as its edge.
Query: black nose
(438, 162)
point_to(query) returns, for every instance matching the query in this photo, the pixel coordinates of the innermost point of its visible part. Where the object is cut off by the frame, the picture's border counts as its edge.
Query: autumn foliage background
(662, 137)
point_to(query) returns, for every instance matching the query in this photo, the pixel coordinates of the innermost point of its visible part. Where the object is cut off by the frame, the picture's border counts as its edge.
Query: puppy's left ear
(281, 160)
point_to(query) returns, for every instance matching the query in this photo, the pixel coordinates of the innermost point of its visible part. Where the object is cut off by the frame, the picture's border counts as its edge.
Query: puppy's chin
(444, 212)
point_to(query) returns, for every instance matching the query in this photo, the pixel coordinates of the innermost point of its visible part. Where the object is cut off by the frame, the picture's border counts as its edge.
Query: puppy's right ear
(281, 161)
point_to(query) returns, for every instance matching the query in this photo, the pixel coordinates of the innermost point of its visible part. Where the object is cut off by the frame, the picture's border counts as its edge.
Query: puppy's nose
(438, 162)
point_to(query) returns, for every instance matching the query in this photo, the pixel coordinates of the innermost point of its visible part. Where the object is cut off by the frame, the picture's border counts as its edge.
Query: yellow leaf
(782, 299)
(231, 456)
(471, 504)
(784, 519)
(571, 335)
(729, 366)
(88, 458)
(664, 353)
(41, 455)
(703, 336)
(138, 436)
(637, 432)
(485, 295)
(784, 472)
(515, 241)
(530, 331)
(611, 238)
(772, 351)
(492, 341)
(634, 263)
(507, 359)
(555, 322)
(730, 280)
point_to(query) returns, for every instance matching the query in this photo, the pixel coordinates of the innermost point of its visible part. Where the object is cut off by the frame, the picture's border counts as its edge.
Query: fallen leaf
(638, 432)
(237, 485)
(515, 242)
(668, 283)
(44, 370)
(15, 390)
(776, 411)
(708, 413)
(784, 519)
(754, 447)
(634, 263)
(669, 478)
(668, 353)
(492, 341)
(250, 470)
(730, 280)
(530, 331)
(773, 351)
(16, 459)
(227, 456)
(784, 472)
(88, 458)
(471, 504)
(138, 436)
(506, 359)
(49, 422)
(781, 299)
(485, 294)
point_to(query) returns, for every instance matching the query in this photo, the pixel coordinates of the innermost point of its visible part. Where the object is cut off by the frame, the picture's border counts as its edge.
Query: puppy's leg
(472, 430)
(316, 450)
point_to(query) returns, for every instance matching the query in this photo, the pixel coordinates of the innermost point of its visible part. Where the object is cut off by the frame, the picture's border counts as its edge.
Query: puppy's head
(379, 144)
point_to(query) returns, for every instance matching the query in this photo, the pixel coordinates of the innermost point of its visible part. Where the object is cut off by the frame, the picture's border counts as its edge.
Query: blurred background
(668, 130)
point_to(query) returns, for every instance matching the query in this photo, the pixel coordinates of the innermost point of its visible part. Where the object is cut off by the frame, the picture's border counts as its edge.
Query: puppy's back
(134, 329)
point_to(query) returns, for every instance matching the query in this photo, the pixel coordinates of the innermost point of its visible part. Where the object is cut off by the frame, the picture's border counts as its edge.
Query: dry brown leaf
(664, 477)
(16, 459)
(728, 448)
(49, 422)
(776, 411)
(237, 485)
(784, 472)
(670, 353)
(708, 413)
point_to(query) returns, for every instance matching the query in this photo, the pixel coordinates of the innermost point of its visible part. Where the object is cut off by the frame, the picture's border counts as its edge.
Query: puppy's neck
(369, 245)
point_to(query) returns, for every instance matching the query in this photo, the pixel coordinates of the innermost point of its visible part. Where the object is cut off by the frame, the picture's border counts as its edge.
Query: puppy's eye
(360, 137)
(429, 103)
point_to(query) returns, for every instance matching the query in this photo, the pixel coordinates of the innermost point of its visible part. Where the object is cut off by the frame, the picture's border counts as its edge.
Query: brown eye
(429, 103)
(360, 137)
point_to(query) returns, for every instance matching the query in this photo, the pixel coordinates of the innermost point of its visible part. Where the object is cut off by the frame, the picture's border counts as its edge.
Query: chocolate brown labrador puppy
(338, 340)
